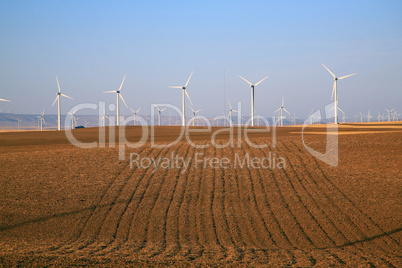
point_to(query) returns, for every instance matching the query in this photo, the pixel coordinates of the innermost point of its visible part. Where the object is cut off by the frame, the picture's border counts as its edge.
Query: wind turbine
(159, 114)
(59, 94)
(335, 91)
(368, 116)
(118, 95)
(311, 116)
(294, 119)
(18, 124)
(41, 120)
(361, 117)
(5, 100)
(183, 98)
(194, 113)
(230, 114)
(356, 116)
(379, 117)
(135, 115)
(73, 118)
(252, 96)
(389, 114)
(282, 109)
(102, 121)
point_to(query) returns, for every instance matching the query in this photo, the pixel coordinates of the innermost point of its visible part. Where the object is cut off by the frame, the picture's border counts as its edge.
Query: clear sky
(91, 45)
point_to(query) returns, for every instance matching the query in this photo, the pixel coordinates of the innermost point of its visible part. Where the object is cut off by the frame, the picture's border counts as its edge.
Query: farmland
(62, 205)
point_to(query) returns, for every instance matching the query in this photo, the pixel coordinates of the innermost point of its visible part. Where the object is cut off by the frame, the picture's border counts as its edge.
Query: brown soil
(66, 206)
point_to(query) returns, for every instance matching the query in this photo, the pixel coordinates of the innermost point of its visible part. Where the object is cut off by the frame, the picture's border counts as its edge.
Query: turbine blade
(346, 76)
(121, 97)
(175, 87)
(124, 78)
(189, 79)
(66, 96)
(5, 100)
(58, 85)
(277, 110)
(329, 70)
(261, 81)
(230, 105)
(138, 110)
(43, 113)
(55, 100)
(198, 111)
(188, 97)
(286, 111)
(132, 110)
(246, 80)
(44, 121)
(163, 109)
(341, 110)
(283, 101)
(192, 109)
(109, 91)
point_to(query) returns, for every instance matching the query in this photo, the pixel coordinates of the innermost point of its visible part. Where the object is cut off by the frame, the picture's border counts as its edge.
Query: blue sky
(91, 45)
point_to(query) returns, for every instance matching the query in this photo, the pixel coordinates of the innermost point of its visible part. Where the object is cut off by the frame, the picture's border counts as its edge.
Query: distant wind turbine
(194, 113)
(335, 91)
(389, 114)
(118, 95)
(252, 96)
(281, 109)
(368, 116)
(135, 115)
(159, 114)
(311, 116)
(102, 120)
(41, 120)
(230, 114)
(58, 99)
(183, 99)
(73, 118)
(18, 124)
(361, 118)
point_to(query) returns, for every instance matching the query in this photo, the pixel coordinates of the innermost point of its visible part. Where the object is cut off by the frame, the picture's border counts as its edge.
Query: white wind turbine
(361, 117)
(252, 96)
(368, 116)
(18, 124)
(183, 99)
(159, 114)
(102, 120)
(379, 117)
(73, 118)
(58, 99)
(311, 116)
(294, 119)
(282, 108)
(335, 91)
(230, 114)
(41, 120)
(389, 114)
(5, 100)
(194, 113)
(118, 95)
(135, 115)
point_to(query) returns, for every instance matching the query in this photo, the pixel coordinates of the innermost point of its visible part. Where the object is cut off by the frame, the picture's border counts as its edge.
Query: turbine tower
(252, 96)
(389, 114)
(194, 113)
(41, 120)
(159, 114)
(282, 109)
(311, 116)
(183, 99)
(368, 116)
(73, 118)
(59, 94)
(335, 91)
(118, 95)
(230, 114)
(135, 115)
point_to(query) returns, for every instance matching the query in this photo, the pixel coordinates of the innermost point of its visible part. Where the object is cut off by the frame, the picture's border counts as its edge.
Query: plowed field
(66, 206)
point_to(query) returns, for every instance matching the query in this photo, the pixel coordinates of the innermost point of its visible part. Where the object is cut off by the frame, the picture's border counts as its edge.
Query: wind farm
(176, 150)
